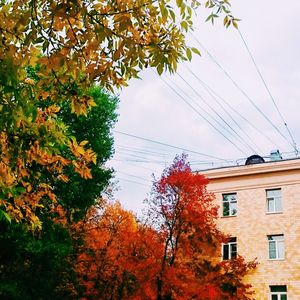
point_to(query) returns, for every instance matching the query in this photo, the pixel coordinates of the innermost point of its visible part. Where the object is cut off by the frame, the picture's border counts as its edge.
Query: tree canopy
(40, 265)
(71, 45)
(175, 255)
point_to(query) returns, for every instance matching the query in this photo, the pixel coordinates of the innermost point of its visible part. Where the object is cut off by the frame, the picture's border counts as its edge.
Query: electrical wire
(132, 181)
(168, 145)
(268, 90)
(216, 96)
(201, 115)
(212, 108)
(243, 92)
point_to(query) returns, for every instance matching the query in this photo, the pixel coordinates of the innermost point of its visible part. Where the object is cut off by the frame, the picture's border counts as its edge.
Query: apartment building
(260, 209)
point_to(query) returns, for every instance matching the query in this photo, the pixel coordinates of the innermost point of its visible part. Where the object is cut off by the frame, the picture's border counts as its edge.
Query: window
(274, 201)
(276, 246)
(278, 292)
(229, 205)
(229, 250)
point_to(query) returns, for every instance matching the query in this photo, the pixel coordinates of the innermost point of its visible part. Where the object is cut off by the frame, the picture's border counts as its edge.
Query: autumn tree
(74, 43)
(175, 256)
(40, 266)
(185, 214)
(118, 259)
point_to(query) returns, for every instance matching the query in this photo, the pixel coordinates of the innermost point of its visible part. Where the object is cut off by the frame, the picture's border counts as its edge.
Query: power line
(202, 109)
(215, 95)
(212, 108)
(201, 115)
(136, 165)
(168, 145)
(268, 90)
(132, 181)
(138, 177)
(243, 92)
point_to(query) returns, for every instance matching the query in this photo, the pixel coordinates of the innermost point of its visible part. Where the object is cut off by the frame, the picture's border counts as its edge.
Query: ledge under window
(233, 216)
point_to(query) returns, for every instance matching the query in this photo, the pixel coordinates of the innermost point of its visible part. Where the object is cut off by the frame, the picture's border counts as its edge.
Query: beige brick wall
(252, 225)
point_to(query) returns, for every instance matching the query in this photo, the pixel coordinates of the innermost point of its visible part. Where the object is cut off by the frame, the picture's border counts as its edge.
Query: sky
(217, 108)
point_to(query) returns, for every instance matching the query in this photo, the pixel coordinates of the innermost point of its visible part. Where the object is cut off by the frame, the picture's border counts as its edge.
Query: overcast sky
(182, 111)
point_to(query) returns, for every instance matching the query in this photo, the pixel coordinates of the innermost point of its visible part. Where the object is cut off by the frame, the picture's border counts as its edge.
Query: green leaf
(196, 51)
(235, 24)
(184, 25)
(172, 15)
(160, 69)
(179, 3)
(5, 215)
(189, 54)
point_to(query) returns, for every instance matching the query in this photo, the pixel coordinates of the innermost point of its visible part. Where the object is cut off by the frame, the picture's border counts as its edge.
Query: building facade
(260, 209)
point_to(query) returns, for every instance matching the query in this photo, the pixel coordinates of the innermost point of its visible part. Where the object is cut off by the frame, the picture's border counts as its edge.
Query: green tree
(39, 266)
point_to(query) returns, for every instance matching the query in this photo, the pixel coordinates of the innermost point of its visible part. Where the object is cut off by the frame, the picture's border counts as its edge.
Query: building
(260, 209)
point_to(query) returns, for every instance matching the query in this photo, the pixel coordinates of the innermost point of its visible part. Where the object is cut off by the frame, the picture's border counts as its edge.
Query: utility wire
(132, 181)
(200, 107)
(135, 165)
(160, 155)
(201, 115)
(216, 96)
(141, 151)
(212, 108)
(138, 177)
(243, 92)
(268, 90)
(168, 145)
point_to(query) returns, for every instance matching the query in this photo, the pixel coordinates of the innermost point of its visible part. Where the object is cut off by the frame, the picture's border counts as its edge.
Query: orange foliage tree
(74, 43)
(176, 257)
(118, 259)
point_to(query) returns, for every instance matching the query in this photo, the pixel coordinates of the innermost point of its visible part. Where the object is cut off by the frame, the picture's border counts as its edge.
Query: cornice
(255, 169)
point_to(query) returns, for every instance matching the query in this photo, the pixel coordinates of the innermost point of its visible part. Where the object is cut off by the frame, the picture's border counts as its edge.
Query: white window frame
(276, 241)
(230, 202)
(275, 199)
(278, 294)
(229, 244)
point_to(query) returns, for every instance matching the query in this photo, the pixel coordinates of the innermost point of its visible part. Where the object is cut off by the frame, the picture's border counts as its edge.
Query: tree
(72, 44)
(176, 256)
(118, 259)
(185, 214)
(40, 266)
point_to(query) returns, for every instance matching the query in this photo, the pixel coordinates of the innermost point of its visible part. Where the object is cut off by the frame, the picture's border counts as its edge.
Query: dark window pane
(225, 209)
(278, 288)
(225, 252)
(274, 297)
(283, 297)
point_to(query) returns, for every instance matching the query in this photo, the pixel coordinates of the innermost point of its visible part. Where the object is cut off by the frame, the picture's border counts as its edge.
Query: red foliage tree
(175, 256)
(185, 214)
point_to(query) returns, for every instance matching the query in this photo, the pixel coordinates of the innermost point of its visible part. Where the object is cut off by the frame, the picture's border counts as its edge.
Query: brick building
(260, 209)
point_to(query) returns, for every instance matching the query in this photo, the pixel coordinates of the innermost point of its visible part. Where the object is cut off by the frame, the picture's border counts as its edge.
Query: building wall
(253, 224)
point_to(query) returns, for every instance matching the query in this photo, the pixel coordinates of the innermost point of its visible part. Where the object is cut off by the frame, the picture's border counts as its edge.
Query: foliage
(186, 214)
(79, 194)
(39, 266)
(34, 267)
(74, 43)
(118, 255)
(177, 257)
